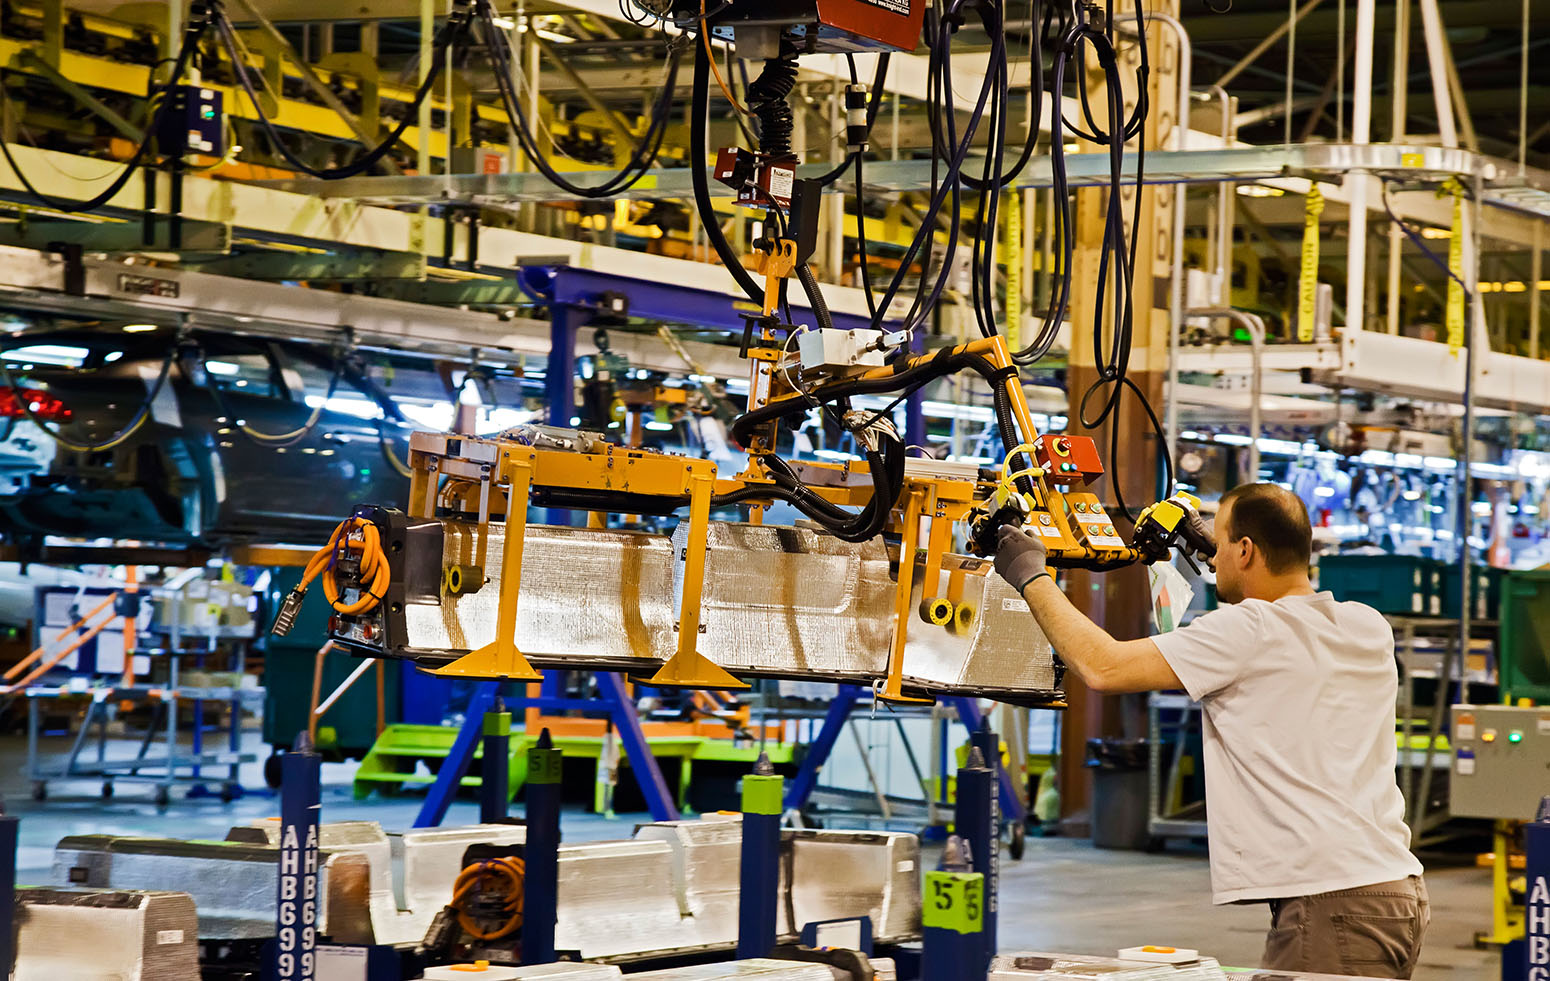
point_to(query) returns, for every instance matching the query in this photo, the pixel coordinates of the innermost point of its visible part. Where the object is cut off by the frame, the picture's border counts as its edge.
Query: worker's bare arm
(1103, 663)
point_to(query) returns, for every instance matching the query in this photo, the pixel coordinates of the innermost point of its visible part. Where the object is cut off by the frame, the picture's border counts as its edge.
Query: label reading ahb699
(296, 940)
(954, 901)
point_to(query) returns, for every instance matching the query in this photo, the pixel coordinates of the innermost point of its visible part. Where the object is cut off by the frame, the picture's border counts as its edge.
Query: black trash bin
(1119, 793)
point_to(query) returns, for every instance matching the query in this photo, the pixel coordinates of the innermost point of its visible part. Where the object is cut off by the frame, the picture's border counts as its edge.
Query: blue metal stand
(952, 919)
(806, 779)
(1533, 961)
(759, 872)
(296, 910)
(818, 751)
(560, 377)
(977, 821)
(10, 826)
(612, 698)
(541, 853)
(969, 714)
(495, 779)
(455, 767)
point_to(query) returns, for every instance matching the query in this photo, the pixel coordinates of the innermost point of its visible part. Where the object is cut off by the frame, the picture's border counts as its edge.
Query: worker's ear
(1246, 552)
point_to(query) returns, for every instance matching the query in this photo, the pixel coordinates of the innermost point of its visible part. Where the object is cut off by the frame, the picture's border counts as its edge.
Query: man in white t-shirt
(1298, 695)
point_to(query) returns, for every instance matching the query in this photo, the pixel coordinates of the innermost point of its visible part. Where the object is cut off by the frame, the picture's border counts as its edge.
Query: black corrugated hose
(768, 99)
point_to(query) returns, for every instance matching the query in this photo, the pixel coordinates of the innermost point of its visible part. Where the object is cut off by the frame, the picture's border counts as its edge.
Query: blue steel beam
(689, 306)
(560, 376)
(637, 748)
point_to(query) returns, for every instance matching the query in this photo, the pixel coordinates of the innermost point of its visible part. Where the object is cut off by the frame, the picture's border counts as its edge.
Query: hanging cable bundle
(452, 34)
(645, 153)
(356, 543)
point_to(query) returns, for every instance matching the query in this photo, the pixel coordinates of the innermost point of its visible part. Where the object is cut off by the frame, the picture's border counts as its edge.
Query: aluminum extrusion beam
(1529, 192)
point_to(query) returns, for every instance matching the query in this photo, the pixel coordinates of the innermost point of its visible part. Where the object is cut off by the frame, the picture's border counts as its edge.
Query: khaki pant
(1374, 931)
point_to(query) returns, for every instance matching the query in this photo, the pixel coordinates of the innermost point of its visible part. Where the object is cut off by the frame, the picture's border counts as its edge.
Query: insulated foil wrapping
(840, 874)
(617, 898)
(777, 601)
(605, 596)
(99, 935)
(1003, 651)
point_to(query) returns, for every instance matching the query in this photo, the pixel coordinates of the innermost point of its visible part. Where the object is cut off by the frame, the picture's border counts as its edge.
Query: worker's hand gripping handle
(1174, 523)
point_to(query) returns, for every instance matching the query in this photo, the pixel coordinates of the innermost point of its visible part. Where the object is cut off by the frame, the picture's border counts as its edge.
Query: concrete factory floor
(1064, 895)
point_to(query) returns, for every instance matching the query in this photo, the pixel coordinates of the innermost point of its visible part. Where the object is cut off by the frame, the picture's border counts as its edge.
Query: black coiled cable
(768, 99)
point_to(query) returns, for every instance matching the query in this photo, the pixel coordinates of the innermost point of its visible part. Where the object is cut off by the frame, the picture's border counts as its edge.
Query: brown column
(1119, 601)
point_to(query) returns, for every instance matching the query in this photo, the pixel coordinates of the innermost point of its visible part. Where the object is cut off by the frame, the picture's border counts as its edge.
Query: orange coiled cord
(510, 869)
(359, 536)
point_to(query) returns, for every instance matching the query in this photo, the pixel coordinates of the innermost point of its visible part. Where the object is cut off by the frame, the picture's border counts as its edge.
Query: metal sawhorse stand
(613, 697)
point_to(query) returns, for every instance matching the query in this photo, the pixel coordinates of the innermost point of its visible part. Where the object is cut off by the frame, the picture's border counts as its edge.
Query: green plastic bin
(1524, 656)
(1485, 591)
(1403, 585)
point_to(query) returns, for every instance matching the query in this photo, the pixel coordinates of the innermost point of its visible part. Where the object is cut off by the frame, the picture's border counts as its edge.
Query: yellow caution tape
(1308, 280)
(1011, 203)
(1455, 310)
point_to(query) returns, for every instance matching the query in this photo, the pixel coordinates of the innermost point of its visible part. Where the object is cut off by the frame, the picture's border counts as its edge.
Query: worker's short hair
(1275, 520)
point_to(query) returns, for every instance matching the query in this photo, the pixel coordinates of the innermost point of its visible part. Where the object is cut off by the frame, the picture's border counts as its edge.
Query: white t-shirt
(1298, 697)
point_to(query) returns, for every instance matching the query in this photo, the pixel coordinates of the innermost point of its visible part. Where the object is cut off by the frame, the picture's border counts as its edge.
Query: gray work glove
(1019, 556)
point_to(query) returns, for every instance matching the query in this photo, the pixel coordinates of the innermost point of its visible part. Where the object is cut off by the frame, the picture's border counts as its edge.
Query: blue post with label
(495, 777)
(296, 912)
(1536, 896)
(952, 918)
(759, 879)
(10, 825)
(977, 819)
(541, 854)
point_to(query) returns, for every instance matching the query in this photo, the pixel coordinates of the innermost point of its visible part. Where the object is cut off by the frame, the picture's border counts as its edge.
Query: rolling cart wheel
(39, 790)
(107, 790)
(163, 796)
(272, 771)
(1018, 844)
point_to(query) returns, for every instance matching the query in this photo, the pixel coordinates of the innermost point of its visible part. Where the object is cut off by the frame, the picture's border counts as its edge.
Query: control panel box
(1501, 761)
(841, 351)
(1068, 460)
(191, 122)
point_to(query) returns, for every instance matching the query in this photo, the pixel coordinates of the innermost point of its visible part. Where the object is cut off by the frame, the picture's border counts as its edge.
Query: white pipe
(1431, 22)
(1358, 183)
(1255, 326)
(344, 686)
(1176, 293)
(1226, 205)
(1401, 92)
(1536, 271)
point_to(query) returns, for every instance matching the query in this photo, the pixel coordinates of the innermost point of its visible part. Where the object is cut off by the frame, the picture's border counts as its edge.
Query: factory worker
(1298, 695)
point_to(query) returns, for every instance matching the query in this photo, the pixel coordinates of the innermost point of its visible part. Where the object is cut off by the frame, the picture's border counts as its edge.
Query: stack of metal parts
(682, 877)
(1080, 967)
(101, 935)
(778, 601)
(233, 883)
(761, 969)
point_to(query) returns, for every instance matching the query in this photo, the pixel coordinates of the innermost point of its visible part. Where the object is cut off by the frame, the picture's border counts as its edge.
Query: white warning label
(895, 6)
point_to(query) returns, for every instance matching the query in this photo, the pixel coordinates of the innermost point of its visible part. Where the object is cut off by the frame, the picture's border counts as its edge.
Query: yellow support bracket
(502, 659)
(892, 689)
(688, 668)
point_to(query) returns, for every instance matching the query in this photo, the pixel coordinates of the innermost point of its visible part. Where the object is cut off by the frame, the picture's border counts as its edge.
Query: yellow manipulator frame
(511, 470)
